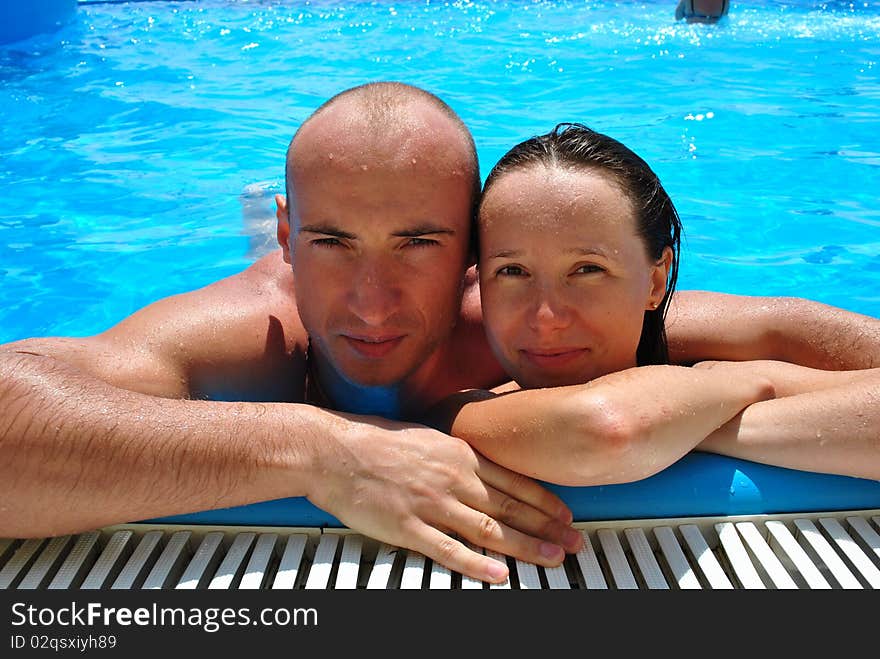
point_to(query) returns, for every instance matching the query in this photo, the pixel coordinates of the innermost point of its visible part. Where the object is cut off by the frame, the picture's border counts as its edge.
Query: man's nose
(375, 293)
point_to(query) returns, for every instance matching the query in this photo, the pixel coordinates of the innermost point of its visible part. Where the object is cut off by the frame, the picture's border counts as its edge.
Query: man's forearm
(715, 326)
(77, 453)
(813, 334)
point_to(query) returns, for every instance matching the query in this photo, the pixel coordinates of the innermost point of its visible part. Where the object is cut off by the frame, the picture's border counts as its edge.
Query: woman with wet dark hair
(578, 259)
(657, 223)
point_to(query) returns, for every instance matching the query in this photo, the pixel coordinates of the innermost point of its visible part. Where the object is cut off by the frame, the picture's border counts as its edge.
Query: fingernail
(496, 571)
(551, 551)
(573, 540)
(565, 516)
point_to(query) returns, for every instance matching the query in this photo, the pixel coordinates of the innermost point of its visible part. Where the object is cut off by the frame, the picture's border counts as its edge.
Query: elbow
(609, 444)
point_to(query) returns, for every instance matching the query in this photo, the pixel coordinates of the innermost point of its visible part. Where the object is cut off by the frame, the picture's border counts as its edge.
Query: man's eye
(326, 242)
(588, 269)
(511, 271)
(421, 242)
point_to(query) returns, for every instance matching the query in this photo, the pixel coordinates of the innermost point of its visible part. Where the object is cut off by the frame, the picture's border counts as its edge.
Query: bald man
(283, 380)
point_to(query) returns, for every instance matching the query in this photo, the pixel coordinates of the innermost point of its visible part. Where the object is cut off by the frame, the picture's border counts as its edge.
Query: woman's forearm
(791, 379)
(618, 428)
(834, 429)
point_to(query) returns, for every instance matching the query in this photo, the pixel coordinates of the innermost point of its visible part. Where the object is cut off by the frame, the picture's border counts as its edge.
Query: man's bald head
(396, 122)
(378, 224)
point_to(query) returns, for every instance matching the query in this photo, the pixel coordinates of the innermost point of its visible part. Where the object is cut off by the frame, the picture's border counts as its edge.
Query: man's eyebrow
(423, 230)
(326, 229)
(414, 232)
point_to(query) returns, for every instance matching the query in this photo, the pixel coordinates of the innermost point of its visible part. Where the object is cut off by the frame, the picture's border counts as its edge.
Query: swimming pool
(128, 137)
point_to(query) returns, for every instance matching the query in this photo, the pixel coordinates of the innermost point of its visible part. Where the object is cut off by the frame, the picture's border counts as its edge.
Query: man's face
(378, 246)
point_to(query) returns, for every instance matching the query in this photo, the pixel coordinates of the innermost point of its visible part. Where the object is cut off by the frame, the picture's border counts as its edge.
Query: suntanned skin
(565, 281)
(113, 428)
(118, 427)
(703, 325)
(825, 421)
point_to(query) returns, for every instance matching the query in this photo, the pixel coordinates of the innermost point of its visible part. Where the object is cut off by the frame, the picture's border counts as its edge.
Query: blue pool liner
(22, 19)
(698, 485)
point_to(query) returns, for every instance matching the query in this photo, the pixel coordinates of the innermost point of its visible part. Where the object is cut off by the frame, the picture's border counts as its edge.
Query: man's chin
(375, 375)
(377, 382)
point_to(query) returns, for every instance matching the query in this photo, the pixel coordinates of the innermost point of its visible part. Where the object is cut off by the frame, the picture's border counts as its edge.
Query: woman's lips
(373, 347)
(556, 358)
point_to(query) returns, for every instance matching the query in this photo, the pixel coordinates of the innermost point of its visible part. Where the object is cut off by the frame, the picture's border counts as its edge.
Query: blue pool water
(128, 137)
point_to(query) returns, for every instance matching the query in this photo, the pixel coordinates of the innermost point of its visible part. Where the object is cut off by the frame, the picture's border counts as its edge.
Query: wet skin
(564, 278)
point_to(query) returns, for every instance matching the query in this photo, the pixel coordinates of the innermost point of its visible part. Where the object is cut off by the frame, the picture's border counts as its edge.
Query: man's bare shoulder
(269, 274)
(263, 289)
(230, 338)
(476, 366)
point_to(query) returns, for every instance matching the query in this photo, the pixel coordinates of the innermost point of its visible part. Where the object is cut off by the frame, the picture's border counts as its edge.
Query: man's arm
(822, 421)
(716, 326)
(105, 430)
(618, 428)
(79, 454)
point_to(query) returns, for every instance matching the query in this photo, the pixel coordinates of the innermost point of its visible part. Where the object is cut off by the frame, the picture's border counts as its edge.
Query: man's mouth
(373, 347)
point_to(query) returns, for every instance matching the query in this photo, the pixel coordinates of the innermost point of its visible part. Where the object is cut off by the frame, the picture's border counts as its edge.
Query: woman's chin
(546, 381)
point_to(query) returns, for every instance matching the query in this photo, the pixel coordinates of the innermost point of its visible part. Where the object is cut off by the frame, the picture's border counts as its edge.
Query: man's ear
(659, 278)
(472, 259)
(283, 231)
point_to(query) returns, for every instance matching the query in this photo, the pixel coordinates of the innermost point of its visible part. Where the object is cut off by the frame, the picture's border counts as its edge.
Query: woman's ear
(283, 231)
(659, 278)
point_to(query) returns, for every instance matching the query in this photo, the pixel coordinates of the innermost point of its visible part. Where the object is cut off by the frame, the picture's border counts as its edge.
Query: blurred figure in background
(258, 217)
(701, 11)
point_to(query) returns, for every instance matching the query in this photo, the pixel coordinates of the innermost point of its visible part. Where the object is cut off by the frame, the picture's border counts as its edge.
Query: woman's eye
(588, 269)
(511, 271)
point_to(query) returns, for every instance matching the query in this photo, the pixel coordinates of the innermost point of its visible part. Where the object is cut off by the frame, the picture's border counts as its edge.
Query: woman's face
(564, 278)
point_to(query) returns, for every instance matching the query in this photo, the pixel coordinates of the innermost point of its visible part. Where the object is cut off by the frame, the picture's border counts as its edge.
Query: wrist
(302, 444)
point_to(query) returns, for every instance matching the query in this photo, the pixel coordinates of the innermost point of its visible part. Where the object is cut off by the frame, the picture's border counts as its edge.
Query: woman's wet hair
(572, 145)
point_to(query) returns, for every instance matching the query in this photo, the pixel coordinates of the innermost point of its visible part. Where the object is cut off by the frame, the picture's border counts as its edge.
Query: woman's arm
(823, 421)
(618, 428)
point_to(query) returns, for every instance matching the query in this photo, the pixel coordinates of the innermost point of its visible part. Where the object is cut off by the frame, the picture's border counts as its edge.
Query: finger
(486, 531)
(456, 556)
(523, 488)
(523, 517)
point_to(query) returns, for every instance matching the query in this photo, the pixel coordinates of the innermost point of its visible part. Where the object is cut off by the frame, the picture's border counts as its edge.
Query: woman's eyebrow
(586, 251)
(505, 254)
(577, 251)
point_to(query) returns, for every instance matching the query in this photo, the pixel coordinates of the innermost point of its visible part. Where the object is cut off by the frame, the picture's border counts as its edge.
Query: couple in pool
(369, 366)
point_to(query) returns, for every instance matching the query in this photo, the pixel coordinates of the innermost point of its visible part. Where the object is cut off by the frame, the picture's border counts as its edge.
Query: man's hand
(415, 487)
